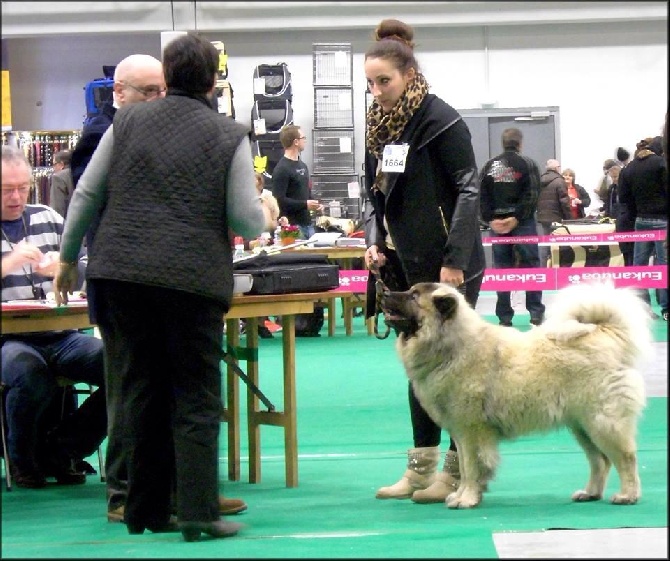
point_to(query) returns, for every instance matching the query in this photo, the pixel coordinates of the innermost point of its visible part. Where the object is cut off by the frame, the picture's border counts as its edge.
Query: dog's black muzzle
(399, 312)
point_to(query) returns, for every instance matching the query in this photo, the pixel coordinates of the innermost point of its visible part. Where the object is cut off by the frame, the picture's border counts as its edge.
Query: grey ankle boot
(446, 482)
(420, 473)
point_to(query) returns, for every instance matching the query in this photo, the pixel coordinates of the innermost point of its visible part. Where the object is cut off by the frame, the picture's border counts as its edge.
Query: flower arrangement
(290, 231)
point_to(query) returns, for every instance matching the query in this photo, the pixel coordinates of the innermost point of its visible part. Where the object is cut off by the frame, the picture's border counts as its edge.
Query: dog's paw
(463, 500)
(621, 499)
(582, 496)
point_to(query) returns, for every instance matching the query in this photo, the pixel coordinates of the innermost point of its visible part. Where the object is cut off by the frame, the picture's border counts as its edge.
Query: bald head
(553, 164)
(137, 78)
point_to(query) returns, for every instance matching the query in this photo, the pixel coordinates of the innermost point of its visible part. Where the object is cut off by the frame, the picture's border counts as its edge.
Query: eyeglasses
(147, 91)
(302, 137)
(22, 190)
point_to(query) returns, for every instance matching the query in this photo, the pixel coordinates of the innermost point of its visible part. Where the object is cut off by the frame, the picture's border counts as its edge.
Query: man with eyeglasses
(290, 182)
(137, 78)
(31, 236)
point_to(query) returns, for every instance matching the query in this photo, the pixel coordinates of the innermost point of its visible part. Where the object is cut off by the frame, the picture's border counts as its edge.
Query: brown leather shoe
(226, 506)
(231, 506)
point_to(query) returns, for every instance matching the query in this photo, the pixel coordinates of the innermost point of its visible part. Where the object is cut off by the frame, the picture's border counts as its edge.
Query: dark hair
(288, 134)
(393, 41)
(622, 154)
(190, 63)
(511, 139)
(63, 157)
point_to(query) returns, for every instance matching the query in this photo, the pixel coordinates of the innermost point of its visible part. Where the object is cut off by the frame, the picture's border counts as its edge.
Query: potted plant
(288, 234)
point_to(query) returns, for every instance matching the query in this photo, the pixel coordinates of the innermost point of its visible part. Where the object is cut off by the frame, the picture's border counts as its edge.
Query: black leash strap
(380, 291)
(230, 361)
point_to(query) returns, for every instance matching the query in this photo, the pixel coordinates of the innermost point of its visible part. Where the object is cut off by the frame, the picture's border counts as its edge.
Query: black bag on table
(283, 273)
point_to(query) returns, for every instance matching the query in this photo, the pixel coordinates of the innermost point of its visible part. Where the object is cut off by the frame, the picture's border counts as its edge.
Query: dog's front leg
(469, 493)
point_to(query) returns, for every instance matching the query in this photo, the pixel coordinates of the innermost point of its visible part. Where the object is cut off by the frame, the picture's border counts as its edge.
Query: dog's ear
(446, 305)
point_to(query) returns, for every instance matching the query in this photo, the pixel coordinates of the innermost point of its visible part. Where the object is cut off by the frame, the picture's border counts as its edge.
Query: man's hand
(65, 282)
(503, 225)
(314, 205)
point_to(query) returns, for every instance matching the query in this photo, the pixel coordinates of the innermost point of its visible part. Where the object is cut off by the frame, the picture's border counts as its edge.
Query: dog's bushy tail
(601, 304)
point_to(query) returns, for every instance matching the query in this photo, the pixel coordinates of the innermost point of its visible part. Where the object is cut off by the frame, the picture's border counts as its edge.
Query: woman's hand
(454, 277)
(374, 258)
(65, 281)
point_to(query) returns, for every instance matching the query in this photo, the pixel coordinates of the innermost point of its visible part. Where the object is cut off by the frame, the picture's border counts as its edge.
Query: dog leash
(381, 290)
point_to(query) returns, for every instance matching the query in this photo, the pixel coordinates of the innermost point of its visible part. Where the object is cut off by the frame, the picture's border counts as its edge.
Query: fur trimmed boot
(420, 473)
(446, 482)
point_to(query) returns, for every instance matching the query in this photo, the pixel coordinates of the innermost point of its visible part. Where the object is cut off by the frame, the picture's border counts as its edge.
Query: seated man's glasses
(8, 191)
(147, 91)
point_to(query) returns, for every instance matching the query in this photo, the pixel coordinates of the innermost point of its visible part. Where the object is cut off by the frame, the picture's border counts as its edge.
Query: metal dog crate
(327, 188)
(332, 64)
(333, 151)
(333, 108)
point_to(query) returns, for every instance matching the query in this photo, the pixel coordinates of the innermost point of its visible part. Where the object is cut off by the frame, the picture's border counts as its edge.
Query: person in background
(31, 363)
(643, 187)
(510, 185)
(579, 197)
(617, 210)
(172, 176)
(290, 182)
(553, 203)
(622, 156)
(603, 189)
(61, 186)
(424, 219)
(137, 78)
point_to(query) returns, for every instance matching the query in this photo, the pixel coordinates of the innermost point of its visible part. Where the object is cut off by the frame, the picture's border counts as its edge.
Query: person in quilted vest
(172, 176)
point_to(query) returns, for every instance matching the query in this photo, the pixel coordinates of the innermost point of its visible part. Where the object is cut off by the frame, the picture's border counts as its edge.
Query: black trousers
(425, 432)
(163, 353)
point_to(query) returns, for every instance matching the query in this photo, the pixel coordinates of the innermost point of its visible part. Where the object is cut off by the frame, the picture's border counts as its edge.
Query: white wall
(608, 79)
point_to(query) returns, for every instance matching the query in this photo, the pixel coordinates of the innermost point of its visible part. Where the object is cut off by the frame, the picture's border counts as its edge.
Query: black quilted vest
(164, 223)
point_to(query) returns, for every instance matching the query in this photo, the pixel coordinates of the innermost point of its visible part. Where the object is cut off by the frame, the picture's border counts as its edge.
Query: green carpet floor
(353, 432)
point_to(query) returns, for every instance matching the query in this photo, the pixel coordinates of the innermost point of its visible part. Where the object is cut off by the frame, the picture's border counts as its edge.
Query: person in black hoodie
(643, 187)
(421, 181)
(510, 184)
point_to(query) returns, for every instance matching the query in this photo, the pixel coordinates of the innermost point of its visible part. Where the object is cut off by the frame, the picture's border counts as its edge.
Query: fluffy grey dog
(485, 383)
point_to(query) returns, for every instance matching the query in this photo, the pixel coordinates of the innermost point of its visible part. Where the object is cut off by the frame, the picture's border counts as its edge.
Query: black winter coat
(643, 187)
(432, 208)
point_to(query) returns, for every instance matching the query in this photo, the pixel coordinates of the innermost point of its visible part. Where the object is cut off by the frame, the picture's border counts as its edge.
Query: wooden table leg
(232, 411)
(290, 412)
(332, 306)
(253, 425)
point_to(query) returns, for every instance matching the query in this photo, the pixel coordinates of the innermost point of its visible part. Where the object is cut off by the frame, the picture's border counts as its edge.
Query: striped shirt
(41, 226)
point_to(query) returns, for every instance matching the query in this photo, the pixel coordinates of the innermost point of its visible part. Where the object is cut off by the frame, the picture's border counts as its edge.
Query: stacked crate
(334, 178)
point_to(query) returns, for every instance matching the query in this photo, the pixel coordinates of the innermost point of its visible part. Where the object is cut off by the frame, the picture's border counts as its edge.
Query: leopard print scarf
(386, 128)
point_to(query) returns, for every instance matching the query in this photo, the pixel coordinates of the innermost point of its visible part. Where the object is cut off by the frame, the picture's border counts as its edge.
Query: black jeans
(505, 257)
(425, 431)
(163, 352)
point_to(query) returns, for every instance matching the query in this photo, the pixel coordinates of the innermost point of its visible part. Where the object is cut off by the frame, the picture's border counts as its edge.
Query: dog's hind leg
(616, 439)
(599, 464)
(478, 459)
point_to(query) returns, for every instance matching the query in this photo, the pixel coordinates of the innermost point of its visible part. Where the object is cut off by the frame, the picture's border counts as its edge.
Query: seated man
(31, 363)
